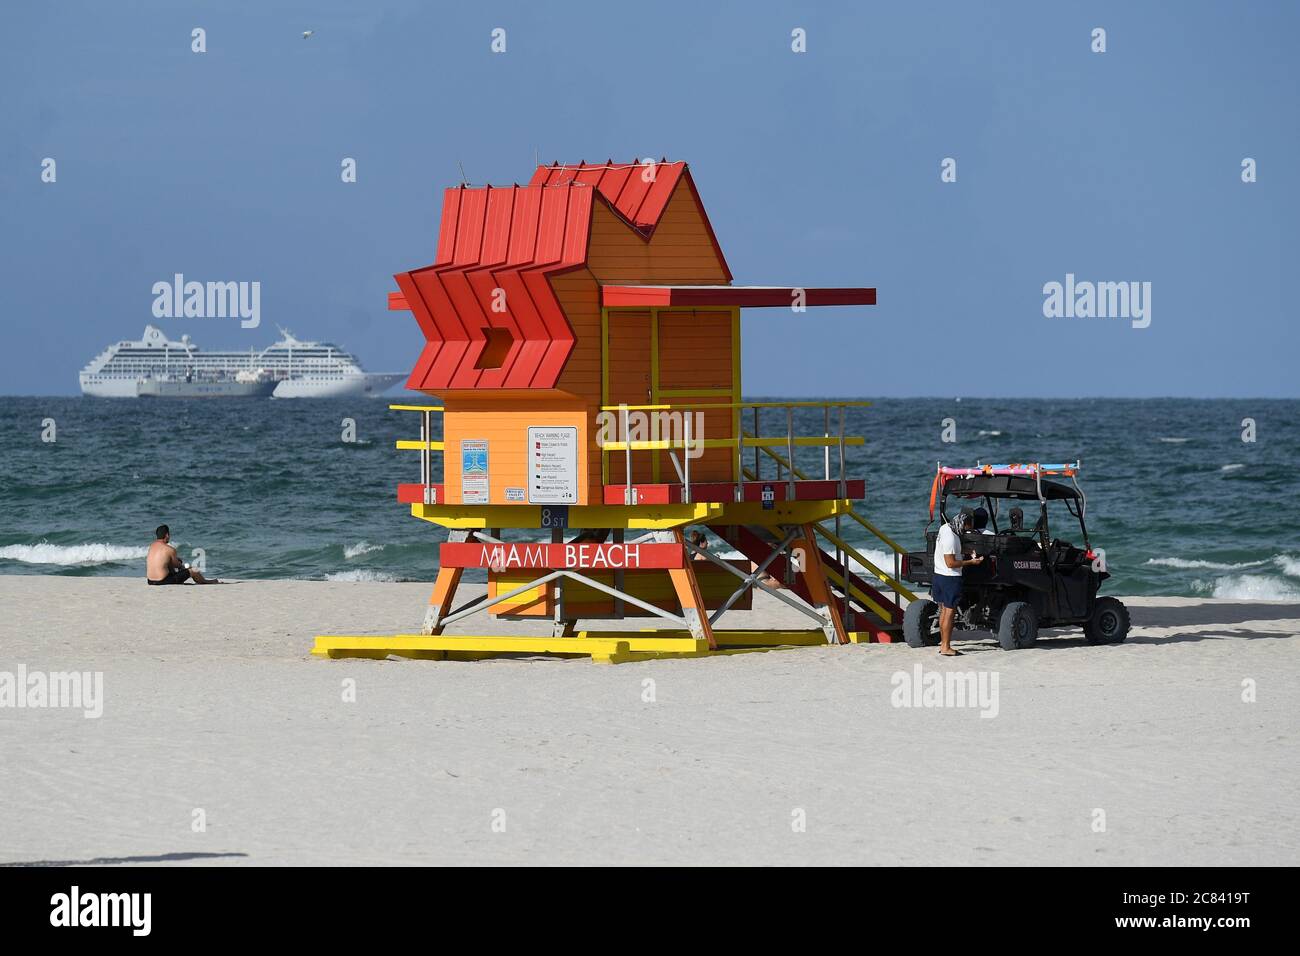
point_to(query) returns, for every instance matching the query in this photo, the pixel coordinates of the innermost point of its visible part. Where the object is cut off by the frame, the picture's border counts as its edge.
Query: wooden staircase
(867, 606)
(864, 608)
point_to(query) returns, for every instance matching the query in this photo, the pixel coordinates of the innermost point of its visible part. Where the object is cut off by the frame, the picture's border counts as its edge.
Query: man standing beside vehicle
(946, 586)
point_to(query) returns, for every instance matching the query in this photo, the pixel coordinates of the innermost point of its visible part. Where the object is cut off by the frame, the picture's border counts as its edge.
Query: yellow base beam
(669, 639)
(640, 518)
(610, 647)
(668, 444)
(634, 517)
(860, 637)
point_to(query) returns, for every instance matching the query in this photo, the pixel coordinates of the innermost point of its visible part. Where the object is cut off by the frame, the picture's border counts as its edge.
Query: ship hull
(368, 385)
(154, 388)
(109, 388)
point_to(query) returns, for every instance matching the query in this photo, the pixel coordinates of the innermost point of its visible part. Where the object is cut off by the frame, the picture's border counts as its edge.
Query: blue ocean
(1180, 502)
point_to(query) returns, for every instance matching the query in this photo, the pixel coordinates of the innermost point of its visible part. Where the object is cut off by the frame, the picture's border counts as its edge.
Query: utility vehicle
(1028, 579)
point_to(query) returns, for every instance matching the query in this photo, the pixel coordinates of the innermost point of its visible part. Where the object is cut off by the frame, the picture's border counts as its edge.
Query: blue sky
(819, 168)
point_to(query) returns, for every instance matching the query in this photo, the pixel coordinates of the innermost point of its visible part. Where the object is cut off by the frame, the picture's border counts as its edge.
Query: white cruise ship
(303, 369)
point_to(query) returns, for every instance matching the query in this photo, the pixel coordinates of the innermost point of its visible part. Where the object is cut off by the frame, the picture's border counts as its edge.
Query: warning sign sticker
(552, 465)
(474, 471)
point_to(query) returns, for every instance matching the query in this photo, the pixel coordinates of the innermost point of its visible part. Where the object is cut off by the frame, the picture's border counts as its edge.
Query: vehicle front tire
(921, 624)
(1018, 626)
(1109, 623)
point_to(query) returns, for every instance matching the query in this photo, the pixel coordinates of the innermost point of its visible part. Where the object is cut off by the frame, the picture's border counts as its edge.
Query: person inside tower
(164, 566)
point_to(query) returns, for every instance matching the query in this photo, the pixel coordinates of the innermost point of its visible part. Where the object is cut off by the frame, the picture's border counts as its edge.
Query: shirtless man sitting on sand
(162, 566)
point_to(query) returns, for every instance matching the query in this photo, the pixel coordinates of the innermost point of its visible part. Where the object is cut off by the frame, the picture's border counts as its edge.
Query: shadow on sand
(1209, 614)
(118, 860)
(979, 641)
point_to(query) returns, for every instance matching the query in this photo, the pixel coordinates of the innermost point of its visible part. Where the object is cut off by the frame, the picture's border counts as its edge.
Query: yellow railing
(746, 441)
(680, 405)
(891, 582)
(425, 444)
(738, 442)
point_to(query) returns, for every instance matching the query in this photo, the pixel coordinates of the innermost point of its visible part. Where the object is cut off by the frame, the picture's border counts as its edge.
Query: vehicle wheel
(1018, 626)
(1109, 624)
(921, 624)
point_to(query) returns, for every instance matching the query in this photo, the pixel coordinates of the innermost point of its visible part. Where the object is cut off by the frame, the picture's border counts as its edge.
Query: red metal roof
(748, 296)
(639, 192)
(513, 239)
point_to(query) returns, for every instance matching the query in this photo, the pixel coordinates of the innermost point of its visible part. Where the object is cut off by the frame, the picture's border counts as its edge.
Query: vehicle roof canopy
(1008, 486)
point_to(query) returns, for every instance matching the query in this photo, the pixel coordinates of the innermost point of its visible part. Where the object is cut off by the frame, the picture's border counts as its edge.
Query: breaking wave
(1248, 587)
(360, 575)
(1197, 564)
(70, 554)
(1290, 566)
(360, 548)
(881, 559)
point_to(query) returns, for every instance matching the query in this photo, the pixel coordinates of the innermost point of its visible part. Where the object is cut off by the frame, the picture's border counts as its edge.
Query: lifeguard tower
(583, 337)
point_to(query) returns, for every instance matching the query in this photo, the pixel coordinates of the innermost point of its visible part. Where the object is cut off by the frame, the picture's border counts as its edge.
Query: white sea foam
(881, 559)
(1290, 566)
(1248, 587)
(1198, 564)
(360, 574)
(991, 433)
(1232, 467)
(360, 548)
(1173, 441)
(70, 554)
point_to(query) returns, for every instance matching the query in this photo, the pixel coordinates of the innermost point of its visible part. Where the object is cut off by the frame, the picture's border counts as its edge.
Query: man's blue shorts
(946, 589)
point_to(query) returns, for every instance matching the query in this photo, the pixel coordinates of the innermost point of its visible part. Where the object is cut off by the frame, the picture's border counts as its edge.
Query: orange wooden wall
(579, 296)
(503, 420)
(680, 251)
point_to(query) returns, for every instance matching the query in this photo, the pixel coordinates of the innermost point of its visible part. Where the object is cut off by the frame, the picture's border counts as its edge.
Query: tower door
(697, 363)
(676, 358)
(628, 380)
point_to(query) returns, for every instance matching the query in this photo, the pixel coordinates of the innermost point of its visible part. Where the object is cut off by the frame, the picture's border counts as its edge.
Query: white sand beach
(212, 702)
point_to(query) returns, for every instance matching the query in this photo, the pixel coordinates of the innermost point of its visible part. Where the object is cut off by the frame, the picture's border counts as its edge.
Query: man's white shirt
(947, 543)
